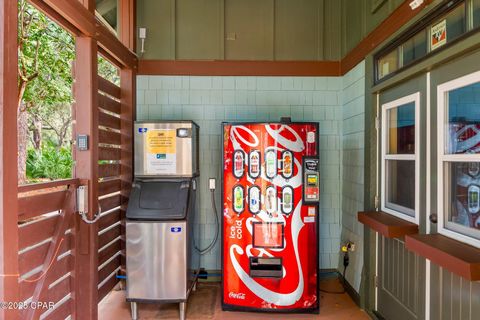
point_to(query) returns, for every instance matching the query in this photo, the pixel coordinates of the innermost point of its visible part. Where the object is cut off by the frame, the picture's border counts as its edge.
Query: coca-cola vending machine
(271, 192)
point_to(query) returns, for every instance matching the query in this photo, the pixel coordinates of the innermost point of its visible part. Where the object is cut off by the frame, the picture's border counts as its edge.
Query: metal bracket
(377, 202)
(82, 200)
(82, 205)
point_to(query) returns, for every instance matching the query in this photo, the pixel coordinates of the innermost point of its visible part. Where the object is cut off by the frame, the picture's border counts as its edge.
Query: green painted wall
(258, 29)
(241, 29)
(360, 17)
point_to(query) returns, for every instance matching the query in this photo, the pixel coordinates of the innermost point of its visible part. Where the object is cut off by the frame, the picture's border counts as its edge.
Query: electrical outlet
(211, 183)
(349, 246)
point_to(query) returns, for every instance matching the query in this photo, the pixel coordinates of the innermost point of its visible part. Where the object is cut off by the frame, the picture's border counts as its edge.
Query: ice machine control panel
(311, 180)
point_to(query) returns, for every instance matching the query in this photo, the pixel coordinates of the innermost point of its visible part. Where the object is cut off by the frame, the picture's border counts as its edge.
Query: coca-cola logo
(238, 296)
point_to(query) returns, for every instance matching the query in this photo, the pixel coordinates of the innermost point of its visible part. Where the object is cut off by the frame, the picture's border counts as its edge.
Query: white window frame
(415, 98)
(444, 158)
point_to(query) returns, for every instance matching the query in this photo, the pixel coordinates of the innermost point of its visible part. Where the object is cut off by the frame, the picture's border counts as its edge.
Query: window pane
(108, 10)
(463, 197)
(463, 135)
(476, 13)
(388, 64)
(400, 184)
(415, 47)
(401, 129)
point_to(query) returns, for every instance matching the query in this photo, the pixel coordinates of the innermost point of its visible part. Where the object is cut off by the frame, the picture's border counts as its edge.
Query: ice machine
(162, 264)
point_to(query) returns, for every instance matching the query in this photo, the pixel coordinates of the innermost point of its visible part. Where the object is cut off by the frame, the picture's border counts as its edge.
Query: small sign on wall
(438, 35)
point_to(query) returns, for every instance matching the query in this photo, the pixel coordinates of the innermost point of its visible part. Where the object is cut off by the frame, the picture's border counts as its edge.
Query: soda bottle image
(254, 199)
(254, 164)
(238, 199)
(287, 200)
(287, 164)
(238, 164)
(271, 164)
(271, 200)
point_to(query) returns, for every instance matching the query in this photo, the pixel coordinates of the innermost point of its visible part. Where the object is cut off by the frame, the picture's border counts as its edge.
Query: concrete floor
(205, 303)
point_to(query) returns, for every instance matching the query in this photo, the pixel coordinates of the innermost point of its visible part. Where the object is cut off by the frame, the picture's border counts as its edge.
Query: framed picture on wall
(377, 4)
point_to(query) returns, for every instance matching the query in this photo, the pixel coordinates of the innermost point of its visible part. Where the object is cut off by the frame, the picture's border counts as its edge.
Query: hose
(217, 229)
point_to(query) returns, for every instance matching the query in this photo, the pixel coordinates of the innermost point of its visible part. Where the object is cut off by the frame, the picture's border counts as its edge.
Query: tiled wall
(211, 100)
(353, 148)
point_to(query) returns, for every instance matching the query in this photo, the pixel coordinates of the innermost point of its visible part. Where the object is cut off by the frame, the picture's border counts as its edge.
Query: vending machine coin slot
(311, 182)
(266, 267)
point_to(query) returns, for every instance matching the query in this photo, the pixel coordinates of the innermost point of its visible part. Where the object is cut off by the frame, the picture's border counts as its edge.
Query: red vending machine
(271, 191)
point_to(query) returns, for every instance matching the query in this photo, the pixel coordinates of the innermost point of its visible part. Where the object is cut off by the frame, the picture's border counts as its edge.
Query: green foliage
(108, 71)
(45, 50)
(49, 163)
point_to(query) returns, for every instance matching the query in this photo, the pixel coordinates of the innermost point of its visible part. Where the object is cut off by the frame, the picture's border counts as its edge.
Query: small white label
(311, 137)
(311, 211)
(309, 219)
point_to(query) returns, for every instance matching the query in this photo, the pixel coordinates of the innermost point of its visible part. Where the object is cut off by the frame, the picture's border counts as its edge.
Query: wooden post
(86, 168)
(89, 4)
(127, 84)
(8, 158)
(127, 20)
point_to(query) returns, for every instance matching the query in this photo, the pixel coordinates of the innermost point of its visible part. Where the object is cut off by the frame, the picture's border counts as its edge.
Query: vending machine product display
(271, 192)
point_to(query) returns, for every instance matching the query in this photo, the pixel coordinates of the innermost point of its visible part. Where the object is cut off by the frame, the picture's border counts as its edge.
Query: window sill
(386, 224)
(455, 256)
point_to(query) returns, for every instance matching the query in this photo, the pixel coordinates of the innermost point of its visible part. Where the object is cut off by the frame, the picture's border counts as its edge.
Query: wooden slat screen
(46, 247)
(111, 246)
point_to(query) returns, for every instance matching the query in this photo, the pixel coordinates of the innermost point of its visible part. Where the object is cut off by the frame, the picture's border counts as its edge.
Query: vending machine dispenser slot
(266, 267)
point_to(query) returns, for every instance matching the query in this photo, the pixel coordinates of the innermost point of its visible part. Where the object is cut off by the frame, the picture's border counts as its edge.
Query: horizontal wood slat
(109, 268)
(109, 252)
(239, 68)
(109, 88)
(108, 170)
(47, 185)
(60, 290)
(109, 236)
(36, 205)
(109, 186)
(109, 137)
(105, 153)
(110, 202)
(106, 288)
(34, 258)
(109, 104)
(111, 218)
(58, 269)
(62, 312)
(36, 232)
(108, 120)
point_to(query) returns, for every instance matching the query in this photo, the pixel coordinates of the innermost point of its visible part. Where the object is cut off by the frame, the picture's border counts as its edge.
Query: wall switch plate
(142, 33)
(211, 183)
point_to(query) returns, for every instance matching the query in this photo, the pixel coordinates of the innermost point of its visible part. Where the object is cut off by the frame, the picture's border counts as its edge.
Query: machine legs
(133, 306)
(183, 308)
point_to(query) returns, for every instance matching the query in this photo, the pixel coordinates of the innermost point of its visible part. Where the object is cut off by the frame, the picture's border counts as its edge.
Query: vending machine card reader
(311, 180)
